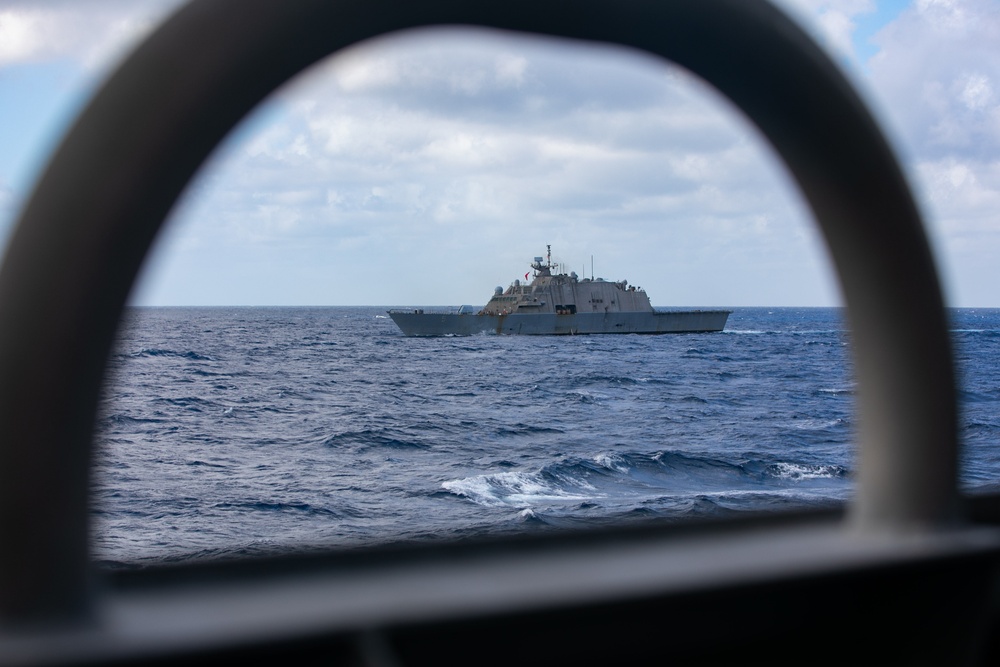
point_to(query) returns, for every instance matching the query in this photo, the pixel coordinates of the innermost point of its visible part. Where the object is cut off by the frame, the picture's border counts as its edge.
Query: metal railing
(84, 233)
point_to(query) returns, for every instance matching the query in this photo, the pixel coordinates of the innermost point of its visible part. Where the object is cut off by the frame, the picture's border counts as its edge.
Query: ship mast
(543, 269)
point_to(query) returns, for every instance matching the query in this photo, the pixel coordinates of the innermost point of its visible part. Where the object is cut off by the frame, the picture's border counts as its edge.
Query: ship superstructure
(560, 303)
(566, 294)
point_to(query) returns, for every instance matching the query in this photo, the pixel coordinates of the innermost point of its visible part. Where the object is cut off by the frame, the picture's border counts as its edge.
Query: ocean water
(232, 431)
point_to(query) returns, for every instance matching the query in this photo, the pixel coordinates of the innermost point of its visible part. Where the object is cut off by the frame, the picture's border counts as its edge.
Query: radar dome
(497, 291)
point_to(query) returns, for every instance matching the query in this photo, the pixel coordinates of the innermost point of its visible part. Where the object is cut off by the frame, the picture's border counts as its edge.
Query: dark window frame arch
(83, 235)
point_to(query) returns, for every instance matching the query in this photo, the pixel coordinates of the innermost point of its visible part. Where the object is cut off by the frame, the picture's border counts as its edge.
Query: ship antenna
(548, 257)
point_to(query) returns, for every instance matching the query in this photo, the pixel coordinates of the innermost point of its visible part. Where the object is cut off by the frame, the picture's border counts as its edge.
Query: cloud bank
(427, 168)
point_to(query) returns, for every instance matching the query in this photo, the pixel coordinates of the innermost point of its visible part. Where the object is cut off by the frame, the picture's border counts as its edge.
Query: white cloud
(937, 73)
(976, 91)
(431, 147)
(20, 35)
(510, 69)
(592, 150)
(962, 197)
(950, 15)
(935, 78)
(838, 26)
(356, 73)
(91, 33)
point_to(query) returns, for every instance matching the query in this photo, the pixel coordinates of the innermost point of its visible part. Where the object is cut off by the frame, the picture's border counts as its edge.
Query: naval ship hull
(418, 323)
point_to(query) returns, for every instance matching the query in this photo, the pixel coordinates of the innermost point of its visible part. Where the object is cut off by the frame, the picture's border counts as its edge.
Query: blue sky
(428, 168)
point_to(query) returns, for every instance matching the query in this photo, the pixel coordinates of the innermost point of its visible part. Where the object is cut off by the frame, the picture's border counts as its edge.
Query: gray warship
(560, 304)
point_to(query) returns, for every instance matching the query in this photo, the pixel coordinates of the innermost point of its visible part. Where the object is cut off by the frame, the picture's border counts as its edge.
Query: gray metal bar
(87, 227)
(174, 614)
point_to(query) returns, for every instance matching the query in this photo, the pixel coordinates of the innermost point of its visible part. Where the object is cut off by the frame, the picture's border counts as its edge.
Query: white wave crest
(611, 461)
(797, 471)
(814, 424)
(513, 489)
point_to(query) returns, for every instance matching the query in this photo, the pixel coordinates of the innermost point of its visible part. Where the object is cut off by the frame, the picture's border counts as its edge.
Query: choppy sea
(232, 431)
